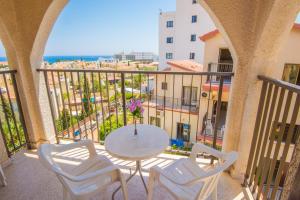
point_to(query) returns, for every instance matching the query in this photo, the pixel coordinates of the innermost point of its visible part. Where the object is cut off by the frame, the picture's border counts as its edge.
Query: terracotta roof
(209, 35)
(186, 65)
(296, 26)
(215, 87)
(215, 32)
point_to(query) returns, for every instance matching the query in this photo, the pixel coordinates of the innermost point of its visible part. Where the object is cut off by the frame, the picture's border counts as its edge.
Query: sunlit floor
(29, 180)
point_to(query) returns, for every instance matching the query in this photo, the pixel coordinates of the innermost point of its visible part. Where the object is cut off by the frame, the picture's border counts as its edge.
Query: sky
(107, 27)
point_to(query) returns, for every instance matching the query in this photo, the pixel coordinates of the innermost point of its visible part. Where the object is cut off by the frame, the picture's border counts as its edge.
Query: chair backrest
(212, 176)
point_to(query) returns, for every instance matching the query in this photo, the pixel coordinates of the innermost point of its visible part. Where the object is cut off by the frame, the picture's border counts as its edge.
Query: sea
(53, 59)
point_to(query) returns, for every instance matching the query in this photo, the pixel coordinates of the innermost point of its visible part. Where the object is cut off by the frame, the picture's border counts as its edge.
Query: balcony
(220, 67)
(178, 104)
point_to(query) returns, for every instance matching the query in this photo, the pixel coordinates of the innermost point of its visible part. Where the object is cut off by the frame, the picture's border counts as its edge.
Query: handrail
(11, 71)
(136, 72)
(283, 84)
(216, 63)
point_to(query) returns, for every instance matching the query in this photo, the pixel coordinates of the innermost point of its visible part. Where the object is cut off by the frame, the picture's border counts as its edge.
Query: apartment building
(178, 32)
(181, 103)
(136, 56)
(217, 58)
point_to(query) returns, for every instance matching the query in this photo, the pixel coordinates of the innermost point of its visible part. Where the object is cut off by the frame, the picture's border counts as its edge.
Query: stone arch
(49, 19)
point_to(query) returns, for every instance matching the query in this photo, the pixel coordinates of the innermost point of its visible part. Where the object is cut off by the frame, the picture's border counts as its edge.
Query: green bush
(106, 128)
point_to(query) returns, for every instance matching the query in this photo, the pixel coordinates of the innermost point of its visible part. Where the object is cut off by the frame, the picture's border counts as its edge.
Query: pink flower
(138, 103)
(132, 107)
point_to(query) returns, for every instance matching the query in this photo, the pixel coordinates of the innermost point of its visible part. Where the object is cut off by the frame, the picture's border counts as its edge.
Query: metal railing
(92, 103)
(12, 126)
(220, 67)
(175, 103)
(273, 143)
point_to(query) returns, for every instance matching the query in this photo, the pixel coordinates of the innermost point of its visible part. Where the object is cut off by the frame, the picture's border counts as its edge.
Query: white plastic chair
(88, 178)
(184, 179)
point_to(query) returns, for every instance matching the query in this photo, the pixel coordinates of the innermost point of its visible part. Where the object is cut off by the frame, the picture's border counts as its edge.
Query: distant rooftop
(184, 65)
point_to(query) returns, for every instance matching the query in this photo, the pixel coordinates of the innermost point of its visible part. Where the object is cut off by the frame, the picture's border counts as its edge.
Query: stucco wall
(211, 50)
(290, 53)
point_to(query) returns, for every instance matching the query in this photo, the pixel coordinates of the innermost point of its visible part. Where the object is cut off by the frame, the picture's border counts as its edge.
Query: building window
(194, 1)
(193, 38)
(291, 73)
(169, 55)
(169, 40)
(189, 96)
(194, 18)
(164, 85)
(169, 24)
(183, 132)
(155, 121)
(192, 55)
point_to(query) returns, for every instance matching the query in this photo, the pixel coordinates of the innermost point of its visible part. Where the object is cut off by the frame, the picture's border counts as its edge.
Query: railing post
(123, 98)
(218, 111)
(21, 116)
(51, 104)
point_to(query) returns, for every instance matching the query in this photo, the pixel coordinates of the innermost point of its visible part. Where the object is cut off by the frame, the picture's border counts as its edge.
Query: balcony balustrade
(89, 104)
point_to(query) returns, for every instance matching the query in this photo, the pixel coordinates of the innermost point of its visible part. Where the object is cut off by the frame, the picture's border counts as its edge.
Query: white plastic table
(149, 142)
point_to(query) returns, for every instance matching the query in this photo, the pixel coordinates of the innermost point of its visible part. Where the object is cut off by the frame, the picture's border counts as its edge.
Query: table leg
(138, 169)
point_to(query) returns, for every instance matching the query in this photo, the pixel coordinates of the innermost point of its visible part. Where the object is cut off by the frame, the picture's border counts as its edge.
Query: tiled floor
(29, 180)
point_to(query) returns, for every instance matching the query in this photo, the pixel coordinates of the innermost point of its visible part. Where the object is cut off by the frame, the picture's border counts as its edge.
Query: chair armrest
(106, 170)
(156, 171)
(201, 148)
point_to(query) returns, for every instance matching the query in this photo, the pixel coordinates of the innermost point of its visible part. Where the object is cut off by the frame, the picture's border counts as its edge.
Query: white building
(179, 30)
(136, 56)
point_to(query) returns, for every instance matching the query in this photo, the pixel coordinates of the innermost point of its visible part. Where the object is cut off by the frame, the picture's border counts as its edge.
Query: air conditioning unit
(204, 94)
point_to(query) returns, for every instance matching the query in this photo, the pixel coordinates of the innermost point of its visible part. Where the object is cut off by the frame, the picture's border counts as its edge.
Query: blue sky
(107, 27)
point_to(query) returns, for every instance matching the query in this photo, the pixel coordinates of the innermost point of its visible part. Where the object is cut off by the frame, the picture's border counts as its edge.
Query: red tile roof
(296, 26)
(209, 35)
(215, 87)
(186, 65)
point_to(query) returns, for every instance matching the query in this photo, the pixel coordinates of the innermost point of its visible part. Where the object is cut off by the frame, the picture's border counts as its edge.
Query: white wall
(165, 32)
(211, 50)
(182, 31)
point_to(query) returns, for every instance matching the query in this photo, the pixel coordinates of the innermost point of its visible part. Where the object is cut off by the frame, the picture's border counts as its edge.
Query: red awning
(215, 87)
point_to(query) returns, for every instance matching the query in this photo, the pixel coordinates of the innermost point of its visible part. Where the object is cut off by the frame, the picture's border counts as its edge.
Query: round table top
(149, 142)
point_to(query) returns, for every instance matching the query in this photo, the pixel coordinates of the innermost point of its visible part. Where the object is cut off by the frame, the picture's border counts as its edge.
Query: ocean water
(53, 59)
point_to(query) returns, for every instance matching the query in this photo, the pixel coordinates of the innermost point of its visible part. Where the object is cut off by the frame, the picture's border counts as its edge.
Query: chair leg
(214, 194)
(151, 185)
(65, 194)
(2, 177)
(124, 186)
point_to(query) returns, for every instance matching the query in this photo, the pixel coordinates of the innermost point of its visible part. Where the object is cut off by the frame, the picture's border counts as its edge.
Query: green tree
(6, 109)
(65, 118)
(87, 106)
(138, 80)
